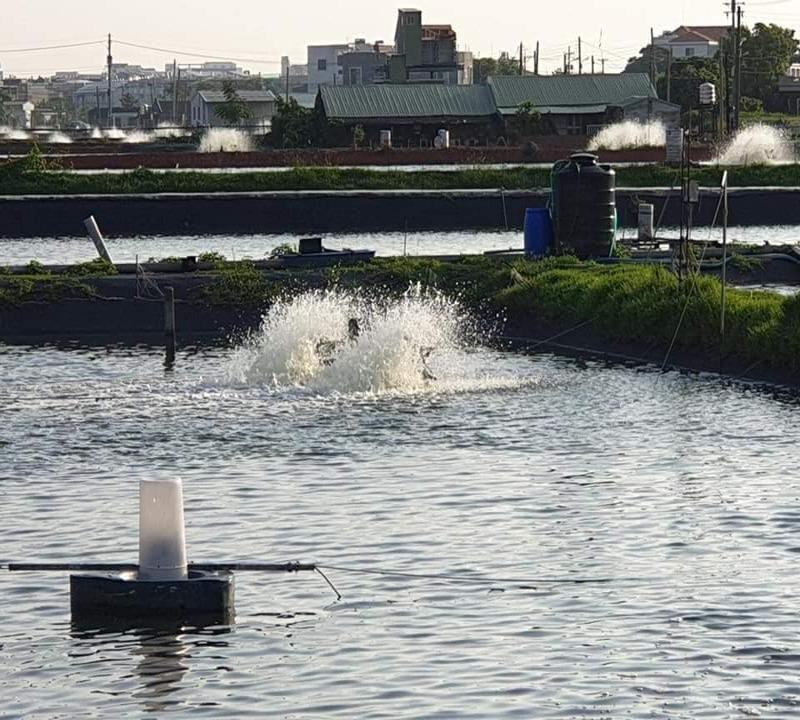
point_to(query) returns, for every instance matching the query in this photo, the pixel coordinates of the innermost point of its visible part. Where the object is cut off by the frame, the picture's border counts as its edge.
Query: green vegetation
(623, 303)
(238, 283)
(18, 289)
(234, 109)
(25, 177)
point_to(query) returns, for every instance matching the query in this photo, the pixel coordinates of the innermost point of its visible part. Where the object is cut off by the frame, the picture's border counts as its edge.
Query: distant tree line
(767, 52)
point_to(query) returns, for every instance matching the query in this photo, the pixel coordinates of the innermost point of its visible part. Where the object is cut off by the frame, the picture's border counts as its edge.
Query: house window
(322, 64)
(355, 76)
(408, 19)
(574, 125)
(689, 52)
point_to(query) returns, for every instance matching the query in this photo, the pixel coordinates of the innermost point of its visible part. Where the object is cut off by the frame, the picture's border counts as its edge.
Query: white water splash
(225, 140)
(59, 138)
(97, 134)
(756, 145)
(419, 342)
(170, 131)
(114, 134)
(628, 135)
(138, 136)
(18, 135)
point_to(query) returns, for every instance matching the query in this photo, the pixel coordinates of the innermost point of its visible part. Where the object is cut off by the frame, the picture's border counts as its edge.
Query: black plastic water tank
(583, 206)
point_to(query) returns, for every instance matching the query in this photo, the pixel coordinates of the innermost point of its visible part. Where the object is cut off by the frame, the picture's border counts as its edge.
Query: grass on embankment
(632, 304)
(31, 176)
(636, 304)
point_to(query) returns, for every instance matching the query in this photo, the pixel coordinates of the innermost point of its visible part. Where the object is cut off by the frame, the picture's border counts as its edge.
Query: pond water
(618, 542)
(70, 250)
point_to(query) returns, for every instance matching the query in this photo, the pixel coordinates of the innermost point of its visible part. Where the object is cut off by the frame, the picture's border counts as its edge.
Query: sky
(260, 32)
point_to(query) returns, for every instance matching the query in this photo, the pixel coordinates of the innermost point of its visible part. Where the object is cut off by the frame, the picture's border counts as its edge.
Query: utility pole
(592, 64)
(602, 66)
(652, 58)
(109, 61)
(669, 75)
(175, 93)
(737, 97)
(729, 90)
(580, 57)
(287, 83)
(569, 59)
(565, 63)
(536, 60)
(521, 61)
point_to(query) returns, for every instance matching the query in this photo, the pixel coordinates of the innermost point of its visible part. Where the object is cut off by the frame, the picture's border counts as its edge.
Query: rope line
(449, 577)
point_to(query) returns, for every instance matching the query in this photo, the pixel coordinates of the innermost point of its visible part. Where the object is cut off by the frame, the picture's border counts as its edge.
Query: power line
(51, 47)
(196, 55)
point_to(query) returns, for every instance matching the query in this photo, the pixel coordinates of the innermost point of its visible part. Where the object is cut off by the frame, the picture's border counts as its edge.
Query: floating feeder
(163, 585)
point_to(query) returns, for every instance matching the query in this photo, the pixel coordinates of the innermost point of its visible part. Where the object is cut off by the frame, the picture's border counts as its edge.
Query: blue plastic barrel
(538, 231)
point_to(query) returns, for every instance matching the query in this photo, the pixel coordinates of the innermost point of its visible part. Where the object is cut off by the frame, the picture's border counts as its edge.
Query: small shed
(260, 103)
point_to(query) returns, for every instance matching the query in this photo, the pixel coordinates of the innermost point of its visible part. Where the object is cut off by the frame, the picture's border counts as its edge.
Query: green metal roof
(407, 100)
(551, 91)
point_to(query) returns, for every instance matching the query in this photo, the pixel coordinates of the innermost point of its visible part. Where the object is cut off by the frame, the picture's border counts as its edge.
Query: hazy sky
(257, 30)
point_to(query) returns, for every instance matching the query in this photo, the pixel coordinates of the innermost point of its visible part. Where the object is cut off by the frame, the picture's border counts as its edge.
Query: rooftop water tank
(583, 206)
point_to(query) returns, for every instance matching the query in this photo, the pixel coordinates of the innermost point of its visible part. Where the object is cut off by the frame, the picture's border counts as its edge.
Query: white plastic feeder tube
(162, 539)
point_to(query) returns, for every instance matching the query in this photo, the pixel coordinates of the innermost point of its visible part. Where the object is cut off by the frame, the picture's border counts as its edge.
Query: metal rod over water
(129, 567)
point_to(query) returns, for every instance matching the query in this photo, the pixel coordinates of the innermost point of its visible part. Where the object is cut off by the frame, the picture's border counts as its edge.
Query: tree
(359, 136)
(484, 67)
(527, 121)
(3, 112)
(293, 125)
(128, 102)
(641, 63)
(686, 77)
(234, 109)
(767, 53)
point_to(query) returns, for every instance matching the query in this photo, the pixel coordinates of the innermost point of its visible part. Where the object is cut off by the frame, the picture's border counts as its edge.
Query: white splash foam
(18, 135)
(59, 138)
(628, 135)
(138, 136)
(114, 134)
(225, 140)
(97, 134)
(757, 145)
(170, 131)
(389, 356)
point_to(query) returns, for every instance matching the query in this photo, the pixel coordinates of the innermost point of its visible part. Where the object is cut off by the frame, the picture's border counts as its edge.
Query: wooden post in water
(724, 264)
(169, 326)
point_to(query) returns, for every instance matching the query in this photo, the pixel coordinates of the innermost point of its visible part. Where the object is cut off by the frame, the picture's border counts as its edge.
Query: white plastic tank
(708, 94)
(386, 138)
(646, 231)
(162, 539)
(444, 138)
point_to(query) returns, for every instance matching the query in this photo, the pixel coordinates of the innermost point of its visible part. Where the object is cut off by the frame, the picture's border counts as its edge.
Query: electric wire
(51, 47)
(196, 55)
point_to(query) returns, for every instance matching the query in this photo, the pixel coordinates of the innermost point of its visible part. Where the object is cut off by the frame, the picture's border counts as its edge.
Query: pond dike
(353, 211)
(116, 316)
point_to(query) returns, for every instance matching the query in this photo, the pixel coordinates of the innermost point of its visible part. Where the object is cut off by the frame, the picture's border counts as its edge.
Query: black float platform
(205, 597)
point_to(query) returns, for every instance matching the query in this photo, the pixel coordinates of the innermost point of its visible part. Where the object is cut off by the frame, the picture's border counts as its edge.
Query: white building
(693, 41)
(323, 65)
(260, 103)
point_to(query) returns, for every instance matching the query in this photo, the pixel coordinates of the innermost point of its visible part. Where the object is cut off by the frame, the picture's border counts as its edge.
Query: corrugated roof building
(567, 94)
(260, 104)
(475, 114)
